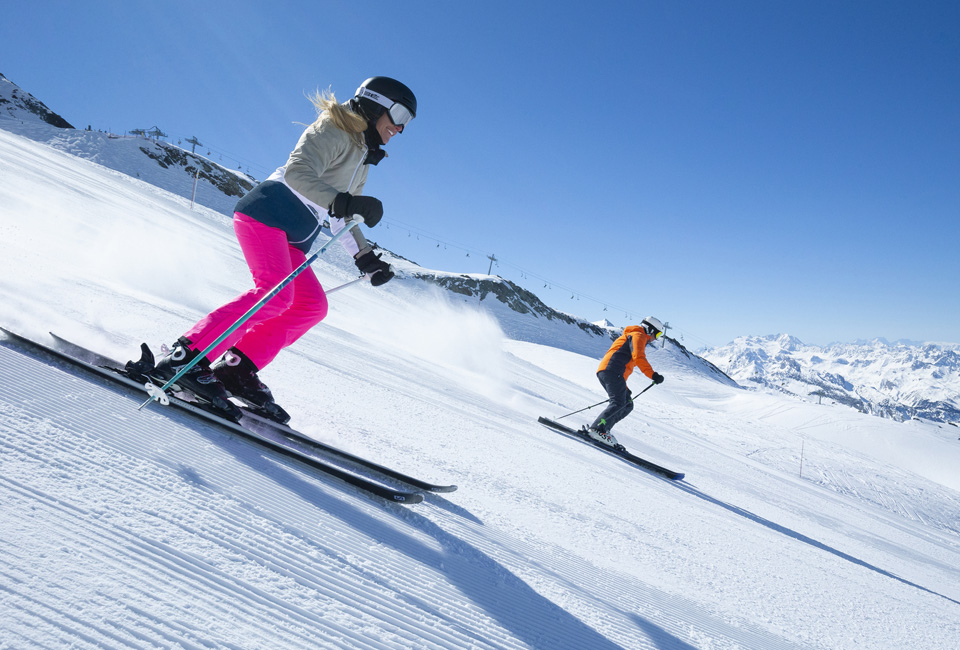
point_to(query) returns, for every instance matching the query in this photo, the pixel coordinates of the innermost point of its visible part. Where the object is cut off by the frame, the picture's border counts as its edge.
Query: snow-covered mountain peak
(898, 380)
(18, 104)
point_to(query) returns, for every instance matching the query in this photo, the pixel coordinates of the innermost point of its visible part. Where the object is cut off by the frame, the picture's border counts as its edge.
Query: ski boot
(140, 370)
(600, 435)
(199, 380)
(238, 374)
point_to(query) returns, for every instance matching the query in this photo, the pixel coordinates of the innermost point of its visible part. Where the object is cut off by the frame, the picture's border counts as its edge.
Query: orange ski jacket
(628, 352)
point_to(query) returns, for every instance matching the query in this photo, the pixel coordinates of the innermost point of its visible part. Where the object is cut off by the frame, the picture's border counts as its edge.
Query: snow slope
(126, 528)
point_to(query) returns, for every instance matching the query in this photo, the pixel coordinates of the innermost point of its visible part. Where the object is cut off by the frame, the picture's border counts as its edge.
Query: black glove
(370, 264)
(346, 205)
(657, 378)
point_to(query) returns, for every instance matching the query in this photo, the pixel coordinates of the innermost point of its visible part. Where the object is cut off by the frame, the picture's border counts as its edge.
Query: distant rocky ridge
(172, 157)
(497, 294)
(512, 295)
(14, 102)
(156, 162)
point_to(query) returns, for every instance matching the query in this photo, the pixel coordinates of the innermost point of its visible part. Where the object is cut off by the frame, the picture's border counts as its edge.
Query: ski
(621, 452)
(264, 426)
(365, 485)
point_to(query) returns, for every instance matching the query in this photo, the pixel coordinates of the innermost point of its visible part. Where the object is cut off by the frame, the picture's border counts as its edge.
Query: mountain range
(899, 380)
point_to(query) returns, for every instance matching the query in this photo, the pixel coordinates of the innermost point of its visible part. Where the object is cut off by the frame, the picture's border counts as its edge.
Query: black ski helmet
(375, 93)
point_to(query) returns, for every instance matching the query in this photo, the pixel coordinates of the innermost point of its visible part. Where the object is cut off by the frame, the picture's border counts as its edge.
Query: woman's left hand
(370, 264)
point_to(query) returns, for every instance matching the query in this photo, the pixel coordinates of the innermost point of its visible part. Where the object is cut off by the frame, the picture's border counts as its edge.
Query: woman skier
(276, 223)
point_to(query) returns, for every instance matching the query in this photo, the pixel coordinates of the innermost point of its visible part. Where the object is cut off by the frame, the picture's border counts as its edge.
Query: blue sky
(734, 168)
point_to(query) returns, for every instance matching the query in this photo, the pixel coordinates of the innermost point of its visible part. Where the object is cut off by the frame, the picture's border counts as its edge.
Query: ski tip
(677, 477)
(13, 335)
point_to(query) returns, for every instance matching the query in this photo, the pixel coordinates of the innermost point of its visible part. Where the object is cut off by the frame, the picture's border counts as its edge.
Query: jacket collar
(373, 140)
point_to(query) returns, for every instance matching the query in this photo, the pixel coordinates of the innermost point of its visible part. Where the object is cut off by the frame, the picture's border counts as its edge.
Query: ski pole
(584, 409)
(159, 394)
(652, 384)
(327, 292)
(607, 400)
(631, 400)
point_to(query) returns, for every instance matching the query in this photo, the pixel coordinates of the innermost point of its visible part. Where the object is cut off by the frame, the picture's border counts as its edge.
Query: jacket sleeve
(316, 150)
(639, 354)
(353, 242)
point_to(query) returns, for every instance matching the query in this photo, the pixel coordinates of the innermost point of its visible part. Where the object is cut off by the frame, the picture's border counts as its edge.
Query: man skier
(626, 353)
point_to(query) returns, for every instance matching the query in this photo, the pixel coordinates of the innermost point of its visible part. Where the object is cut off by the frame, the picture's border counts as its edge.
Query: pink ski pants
(284, 318)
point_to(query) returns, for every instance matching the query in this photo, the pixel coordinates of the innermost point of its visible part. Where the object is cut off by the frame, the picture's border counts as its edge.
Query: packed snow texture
(798, 526)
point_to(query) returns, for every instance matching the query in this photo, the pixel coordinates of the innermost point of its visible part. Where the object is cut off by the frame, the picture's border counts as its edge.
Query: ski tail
(116, 376)
(261, 422)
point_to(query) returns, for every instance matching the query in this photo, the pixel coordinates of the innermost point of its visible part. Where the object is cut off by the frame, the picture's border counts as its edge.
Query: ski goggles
(652, 331)
(399, 114)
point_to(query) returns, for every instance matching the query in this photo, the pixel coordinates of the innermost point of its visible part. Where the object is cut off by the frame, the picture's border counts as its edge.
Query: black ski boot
(238, 374)
(199, 380)
(140, 370)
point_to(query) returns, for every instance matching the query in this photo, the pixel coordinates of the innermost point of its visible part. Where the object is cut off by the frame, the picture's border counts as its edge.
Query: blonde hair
(340, 114)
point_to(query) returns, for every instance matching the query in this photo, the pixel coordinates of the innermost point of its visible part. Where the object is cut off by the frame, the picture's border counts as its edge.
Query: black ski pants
(620, 403)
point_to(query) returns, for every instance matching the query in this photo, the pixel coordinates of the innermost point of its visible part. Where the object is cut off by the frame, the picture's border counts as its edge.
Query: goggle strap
(383, 100)
(402, 116)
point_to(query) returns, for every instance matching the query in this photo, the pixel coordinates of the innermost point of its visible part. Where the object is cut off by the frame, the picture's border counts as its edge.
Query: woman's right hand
(346, 205)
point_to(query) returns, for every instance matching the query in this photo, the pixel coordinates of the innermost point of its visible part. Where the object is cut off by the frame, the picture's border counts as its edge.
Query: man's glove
(657, 378)
(346, 205)
(370, 264)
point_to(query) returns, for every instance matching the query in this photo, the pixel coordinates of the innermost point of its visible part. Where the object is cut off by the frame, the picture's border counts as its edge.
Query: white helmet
(652, 326)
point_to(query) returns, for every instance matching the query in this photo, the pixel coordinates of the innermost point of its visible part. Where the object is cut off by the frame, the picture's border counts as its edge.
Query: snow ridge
(159, 163)
(16, 104)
